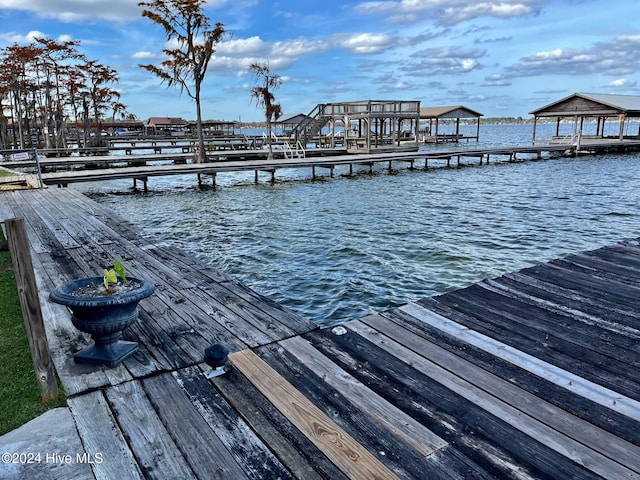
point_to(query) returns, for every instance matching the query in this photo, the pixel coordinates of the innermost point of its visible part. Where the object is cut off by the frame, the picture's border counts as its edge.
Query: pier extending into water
(139, 168)
(530, 375)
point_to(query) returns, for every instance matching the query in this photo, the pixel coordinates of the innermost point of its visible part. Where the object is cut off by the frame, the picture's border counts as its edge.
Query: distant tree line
(49, 87)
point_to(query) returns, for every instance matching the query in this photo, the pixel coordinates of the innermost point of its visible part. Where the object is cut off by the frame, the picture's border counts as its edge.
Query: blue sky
(501, 58)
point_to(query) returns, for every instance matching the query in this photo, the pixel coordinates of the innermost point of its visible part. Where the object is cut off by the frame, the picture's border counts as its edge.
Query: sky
(502, 58)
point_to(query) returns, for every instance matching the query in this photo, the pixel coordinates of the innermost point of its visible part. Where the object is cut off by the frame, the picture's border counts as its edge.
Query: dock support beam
(144, 183)
(213, 179)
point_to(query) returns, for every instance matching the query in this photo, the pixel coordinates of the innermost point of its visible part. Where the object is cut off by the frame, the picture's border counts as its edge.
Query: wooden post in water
(30, 305)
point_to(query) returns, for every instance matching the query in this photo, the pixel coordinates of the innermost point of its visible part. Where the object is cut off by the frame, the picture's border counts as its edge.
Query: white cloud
(298, 47)
(76, 10)
(623, 83)
(485, 9)
(496, 80)
(145, 55)
(12, 37)
(243, 46)
(444, 61)
(362, 43)
(619, 56)
(447, 11)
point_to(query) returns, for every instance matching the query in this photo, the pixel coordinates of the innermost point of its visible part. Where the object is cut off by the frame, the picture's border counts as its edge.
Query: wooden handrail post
(31, 311)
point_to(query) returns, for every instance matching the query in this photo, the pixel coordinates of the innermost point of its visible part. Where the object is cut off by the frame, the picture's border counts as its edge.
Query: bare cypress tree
(263, 93)
(186, 64)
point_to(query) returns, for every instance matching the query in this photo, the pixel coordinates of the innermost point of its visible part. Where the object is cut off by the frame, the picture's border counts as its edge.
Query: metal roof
(294, 120)
(591, 104)
(449, 111)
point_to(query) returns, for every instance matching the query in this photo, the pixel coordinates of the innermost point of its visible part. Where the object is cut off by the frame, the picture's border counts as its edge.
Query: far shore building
(125, 127)
(167, 126)
(590, 113)
(214, 128)
(432, 119)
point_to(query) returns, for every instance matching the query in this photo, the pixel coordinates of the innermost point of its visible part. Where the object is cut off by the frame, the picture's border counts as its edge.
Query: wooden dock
(531, 375)
(63, 171)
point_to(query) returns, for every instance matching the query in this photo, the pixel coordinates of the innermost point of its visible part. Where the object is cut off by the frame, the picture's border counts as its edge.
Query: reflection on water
(338, 249)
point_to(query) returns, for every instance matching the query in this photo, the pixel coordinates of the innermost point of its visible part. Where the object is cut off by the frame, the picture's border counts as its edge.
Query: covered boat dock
(432, 133)
(614, 117)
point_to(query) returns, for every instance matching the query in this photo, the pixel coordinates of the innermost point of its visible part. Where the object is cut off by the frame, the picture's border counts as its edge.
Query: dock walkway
(530, 375)
(62, 172)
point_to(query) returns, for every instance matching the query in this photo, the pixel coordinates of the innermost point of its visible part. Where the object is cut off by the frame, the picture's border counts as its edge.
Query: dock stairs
(312, 124)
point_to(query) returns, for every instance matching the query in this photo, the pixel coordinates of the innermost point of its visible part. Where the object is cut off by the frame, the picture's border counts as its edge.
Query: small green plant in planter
(111, 276)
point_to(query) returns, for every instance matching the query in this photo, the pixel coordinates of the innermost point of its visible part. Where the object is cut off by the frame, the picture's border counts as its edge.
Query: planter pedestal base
(109, 355)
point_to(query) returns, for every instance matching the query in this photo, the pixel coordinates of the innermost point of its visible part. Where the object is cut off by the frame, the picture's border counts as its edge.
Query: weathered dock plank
(102, 438)
(554, 422)
(190, 430)
(294, 451)
(156, 452)
(394, 420)
(496, 437)
(238, 438)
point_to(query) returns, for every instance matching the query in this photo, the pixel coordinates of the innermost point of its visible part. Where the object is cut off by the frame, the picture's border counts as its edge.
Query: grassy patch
(5, 173)
(19, 394)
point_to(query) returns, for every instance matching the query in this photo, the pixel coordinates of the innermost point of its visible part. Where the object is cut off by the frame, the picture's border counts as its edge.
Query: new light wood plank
(251, 452)
(344, 451)
(293, 450)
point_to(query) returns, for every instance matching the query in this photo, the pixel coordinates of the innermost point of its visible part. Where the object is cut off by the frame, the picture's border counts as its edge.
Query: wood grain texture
(574, 383)
(156, 452)
(581, 431)
(414, 434)
(354, 460)
(200, 445)
(101, 435)
(192, 308)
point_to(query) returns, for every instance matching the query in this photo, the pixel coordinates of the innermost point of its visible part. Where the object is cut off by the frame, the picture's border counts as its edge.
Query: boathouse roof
(294, 120)
(592, 104)
(448, 111)
(165, 121)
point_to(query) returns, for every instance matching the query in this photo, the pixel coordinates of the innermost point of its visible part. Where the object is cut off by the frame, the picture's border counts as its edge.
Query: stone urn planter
(103, 314)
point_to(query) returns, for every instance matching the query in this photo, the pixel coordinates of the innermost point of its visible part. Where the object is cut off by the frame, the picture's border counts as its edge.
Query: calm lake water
(336, 249)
